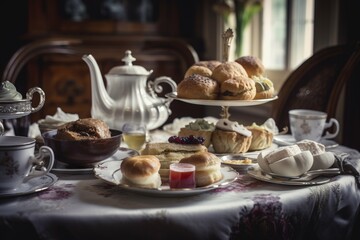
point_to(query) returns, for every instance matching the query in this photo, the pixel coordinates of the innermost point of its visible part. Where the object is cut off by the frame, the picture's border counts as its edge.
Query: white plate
(225, 103)
(36, 184)
(249, 154)
(287, 139)
(60, 167)
(262, 176)
(110, 172)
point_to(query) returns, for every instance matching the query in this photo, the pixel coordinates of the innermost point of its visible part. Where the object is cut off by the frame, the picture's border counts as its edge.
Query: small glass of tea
(134, 135)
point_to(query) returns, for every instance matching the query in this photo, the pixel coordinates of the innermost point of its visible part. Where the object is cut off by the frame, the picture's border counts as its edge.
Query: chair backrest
(317, 83)
(351, 111)
(56, 65)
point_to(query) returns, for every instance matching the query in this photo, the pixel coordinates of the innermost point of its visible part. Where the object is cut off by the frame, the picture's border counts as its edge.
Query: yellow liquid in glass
(134, 140)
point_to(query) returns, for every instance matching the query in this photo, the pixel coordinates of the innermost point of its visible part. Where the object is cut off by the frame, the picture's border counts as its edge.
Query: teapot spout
(101, 103)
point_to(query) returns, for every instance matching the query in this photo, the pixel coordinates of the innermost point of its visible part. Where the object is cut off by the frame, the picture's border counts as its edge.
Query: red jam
(182, 175)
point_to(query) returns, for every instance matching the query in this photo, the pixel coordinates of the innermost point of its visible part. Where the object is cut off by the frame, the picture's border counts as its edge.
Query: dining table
(80, 205)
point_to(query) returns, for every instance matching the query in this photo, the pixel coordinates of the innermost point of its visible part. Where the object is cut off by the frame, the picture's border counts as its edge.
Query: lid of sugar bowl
(128, 68)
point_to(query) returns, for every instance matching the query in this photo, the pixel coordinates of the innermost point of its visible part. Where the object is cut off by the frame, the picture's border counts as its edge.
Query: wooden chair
(55, 65)
(317, 83)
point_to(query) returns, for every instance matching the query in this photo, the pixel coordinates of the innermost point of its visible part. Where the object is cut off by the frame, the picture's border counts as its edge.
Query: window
(281, 34)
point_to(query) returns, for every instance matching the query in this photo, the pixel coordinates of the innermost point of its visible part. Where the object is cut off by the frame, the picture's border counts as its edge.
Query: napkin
(348, 161)
(59, 118)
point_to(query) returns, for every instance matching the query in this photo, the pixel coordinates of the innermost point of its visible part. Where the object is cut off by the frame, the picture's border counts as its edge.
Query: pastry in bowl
(198, 128)
(141, 171)
(207, 168)
(83, 129)
(230, 137)
(83, 142)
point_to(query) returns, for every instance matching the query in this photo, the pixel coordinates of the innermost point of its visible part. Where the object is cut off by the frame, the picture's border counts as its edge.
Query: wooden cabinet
(162, 41)
(57, 67)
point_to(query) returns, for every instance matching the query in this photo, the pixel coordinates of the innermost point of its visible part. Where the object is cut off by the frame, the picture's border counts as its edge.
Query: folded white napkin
(59, 118)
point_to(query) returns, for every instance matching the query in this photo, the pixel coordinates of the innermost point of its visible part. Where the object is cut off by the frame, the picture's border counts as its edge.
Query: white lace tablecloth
(83, 207)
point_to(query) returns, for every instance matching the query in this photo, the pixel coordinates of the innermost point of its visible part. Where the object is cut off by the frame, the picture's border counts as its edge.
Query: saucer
(36, 184)
(262, 176)
(61, 167)
(287, 139)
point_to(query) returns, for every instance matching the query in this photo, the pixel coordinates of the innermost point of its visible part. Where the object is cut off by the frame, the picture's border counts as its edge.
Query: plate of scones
(145, 174)
(233, 83)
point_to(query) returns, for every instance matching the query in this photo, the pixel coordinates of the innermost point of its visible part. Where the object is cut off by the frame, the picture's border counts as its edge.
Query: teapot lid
(129, 68)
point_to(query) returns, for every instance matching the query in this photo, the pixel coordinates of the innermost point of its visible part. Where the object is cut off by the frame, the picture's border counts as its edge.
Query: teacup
(310, 124)
(19, 164)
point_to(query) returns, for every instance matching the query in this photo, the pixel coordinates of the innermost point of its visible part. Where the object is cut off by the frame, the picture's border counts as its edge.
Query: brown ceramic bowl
(83, 152)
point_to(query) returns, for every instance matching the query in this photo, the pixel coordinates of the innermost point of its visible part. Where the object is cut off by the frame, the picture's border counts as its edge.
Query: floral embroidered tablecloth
(84, 207)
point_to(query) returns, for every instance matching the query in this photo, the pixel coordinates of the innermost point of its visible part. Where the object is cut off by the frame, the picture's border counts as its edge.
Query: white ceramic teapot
(128, 97)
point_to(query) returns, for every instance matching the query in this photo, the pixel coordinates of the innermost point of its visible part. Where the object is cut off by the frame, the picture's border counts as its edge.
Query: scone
(198, 128)
(196, 86)
(207, 168)
(238, 88)
(261, 137)
(201, 70)
(141, 171)
(83, 129)
(230, 137)
(252, 65)
(255, 70)
(211, 64)
(228, 70)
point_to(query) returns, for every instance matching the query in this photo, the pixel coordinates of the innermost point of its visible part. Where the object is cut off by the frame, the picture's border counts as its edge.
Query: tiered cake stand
(224, 104)
(227, 37)
(20, 108)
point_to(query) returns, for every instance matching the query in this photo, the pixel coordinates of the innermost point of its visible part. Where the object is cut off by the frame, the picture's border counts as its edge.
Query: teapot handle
(155, 85)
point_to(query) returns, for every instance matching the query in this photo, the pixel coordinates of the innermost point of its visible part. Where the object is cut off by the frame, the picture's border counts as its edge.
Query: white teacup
(18, 164)
(310, 124)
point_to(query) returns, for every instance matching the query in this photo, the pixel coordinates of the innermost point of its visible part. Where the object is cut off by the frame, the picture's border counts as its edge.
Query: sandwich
(169, 153)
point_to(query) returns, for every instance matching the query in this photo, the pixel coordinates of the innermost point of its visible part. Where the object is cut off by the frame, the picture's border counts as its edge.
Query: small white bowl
(234, 162)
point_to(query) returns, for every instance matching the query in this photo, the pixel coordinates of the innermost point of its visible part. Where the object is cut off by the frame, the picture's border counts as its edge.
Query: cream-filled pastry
(230, 137)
